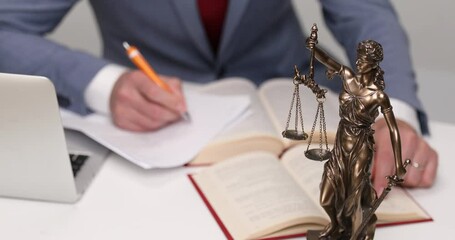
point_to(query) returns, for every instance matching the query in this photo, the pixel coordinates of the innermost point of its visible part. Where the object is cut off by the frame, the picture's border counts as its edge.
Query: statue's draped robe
(348, 169)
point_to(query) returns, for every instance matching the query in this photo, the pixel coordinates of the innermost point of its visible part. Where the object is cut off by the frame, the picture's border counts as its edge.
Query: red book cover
(229, 236)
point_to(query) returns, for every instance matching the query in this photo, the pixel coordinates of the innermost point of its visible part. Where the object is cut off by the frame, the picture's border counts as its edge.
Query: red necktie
(212, 15)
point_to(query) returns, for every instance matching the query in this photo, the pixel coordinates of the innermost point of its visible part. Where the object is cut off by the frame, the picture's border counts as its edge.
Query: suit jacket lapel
(190, 18)
(235, 11)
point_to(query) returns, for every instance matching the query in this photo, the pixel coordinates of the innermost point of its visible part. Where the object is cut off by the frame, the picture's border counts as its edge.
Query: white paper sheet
(171, 146)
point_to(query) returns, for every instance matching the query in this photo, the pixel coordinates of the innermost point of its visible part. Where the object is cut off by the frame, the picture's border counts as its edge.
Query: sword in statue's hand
(393, 181)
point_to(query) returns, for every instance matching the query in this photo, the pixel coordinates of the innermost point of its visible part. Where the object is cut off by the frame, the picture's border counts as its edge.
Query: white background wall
(430, 27)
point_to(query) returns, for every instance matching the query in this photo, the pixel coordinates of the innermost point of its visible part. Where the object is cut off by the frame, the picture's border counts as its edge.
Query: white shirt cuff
(405, 112)
(98, 93)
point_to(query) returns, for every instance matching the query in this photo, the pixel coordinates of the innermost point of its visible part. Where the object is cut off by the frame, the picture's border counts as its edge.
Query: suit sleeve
(352, 21)
(25, 50)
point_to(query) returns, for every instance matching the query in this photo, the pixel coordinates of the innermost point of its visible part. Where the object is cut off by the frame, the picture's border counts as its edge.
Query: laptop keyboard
(77, 160)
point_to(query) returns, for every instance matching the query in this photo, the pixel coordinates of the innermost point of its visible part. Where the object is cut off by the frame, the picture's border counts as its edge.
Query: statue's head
(370, 50)
(369, 55)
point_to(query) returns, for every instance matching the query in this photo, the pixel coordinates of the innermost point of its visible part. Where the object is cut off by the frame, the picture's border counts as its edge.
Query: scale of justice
(298, 133)
(323, 153)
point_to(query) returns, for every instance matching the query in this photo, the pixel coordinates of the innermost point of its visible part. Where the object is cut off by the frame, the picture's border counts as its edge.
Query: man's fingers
(422, 170)
(138, 104)
(177, 89)
(173, 101)
(424, 160)
(133, 120)
(431, 168)
(151, 110)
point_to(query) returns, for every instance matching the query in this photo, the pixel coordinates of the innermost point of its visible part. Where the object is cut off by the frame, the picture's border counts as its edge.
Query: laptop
(40, 159)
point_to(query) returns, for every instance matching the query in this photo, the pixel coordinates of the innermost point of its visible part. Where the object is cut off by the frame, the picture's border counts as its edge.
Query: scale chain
(292, 105)
(313, 128)
(324, 127)
(321, 116)
(297, 103)
(299, 106)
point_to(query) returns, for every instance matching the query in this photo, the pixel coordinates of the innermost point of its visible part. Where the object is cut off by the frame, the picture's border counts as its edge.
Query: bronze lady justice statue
(346, 189)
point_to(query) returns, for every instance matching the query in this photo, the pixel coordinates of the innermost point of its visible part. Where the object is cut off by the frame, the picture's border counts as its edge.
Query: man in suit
(201, 41)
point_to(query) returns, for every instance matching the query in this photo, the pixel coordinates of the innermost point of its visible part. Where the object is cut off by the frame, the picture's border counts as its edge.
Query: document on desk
(174, 145)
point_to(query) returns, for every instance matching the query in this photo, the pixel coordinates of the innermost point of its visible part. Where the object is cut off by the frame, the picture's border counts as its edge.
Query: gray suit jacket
(261, 39)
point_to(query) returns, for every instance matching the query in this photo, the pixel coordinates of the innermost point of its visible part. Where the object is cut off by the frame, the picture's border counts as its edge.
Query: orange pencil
(138, 59)
(140, 62)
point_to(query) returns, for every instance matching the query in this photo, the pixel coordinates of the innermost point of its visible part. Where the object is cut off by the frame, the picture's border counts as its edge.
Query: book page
(252, 131)
(276, 95)
(398, 206)
(256, 120)
(307, 173)
(171, 146)
(254, 196)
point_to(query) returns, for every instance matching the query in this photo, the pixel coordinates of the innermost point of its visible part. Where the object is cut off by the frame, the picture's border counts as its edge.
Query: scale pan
(318, 154)
(294, 135)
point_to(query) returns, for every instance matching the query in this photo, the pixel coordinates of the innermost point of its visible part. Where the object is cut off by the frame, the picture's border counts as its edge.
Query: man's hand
(138, 104)
(424, 159)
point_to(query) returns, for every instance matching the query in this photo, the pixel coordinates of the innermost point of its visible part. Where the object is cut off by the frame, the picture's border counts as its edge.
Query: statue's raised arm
(332, 65)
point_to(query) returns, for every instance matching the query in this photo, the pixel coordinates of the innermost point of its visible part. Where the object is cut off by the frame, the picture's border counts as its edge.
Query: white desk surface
(127, 202)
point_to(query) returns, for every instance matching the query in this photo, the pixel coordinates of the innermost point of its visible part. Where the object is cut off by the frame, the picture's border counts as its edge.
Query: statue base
(314, 235)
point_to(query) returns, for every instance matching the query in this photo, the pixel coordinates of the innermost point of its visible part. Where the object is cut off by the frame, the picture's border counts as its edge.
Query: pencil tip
(186, 116)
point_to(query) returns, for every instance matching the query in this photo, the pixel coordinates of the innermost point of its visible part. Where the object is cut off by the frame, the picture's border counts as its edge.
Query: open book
(255, 195)
(261, 128)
